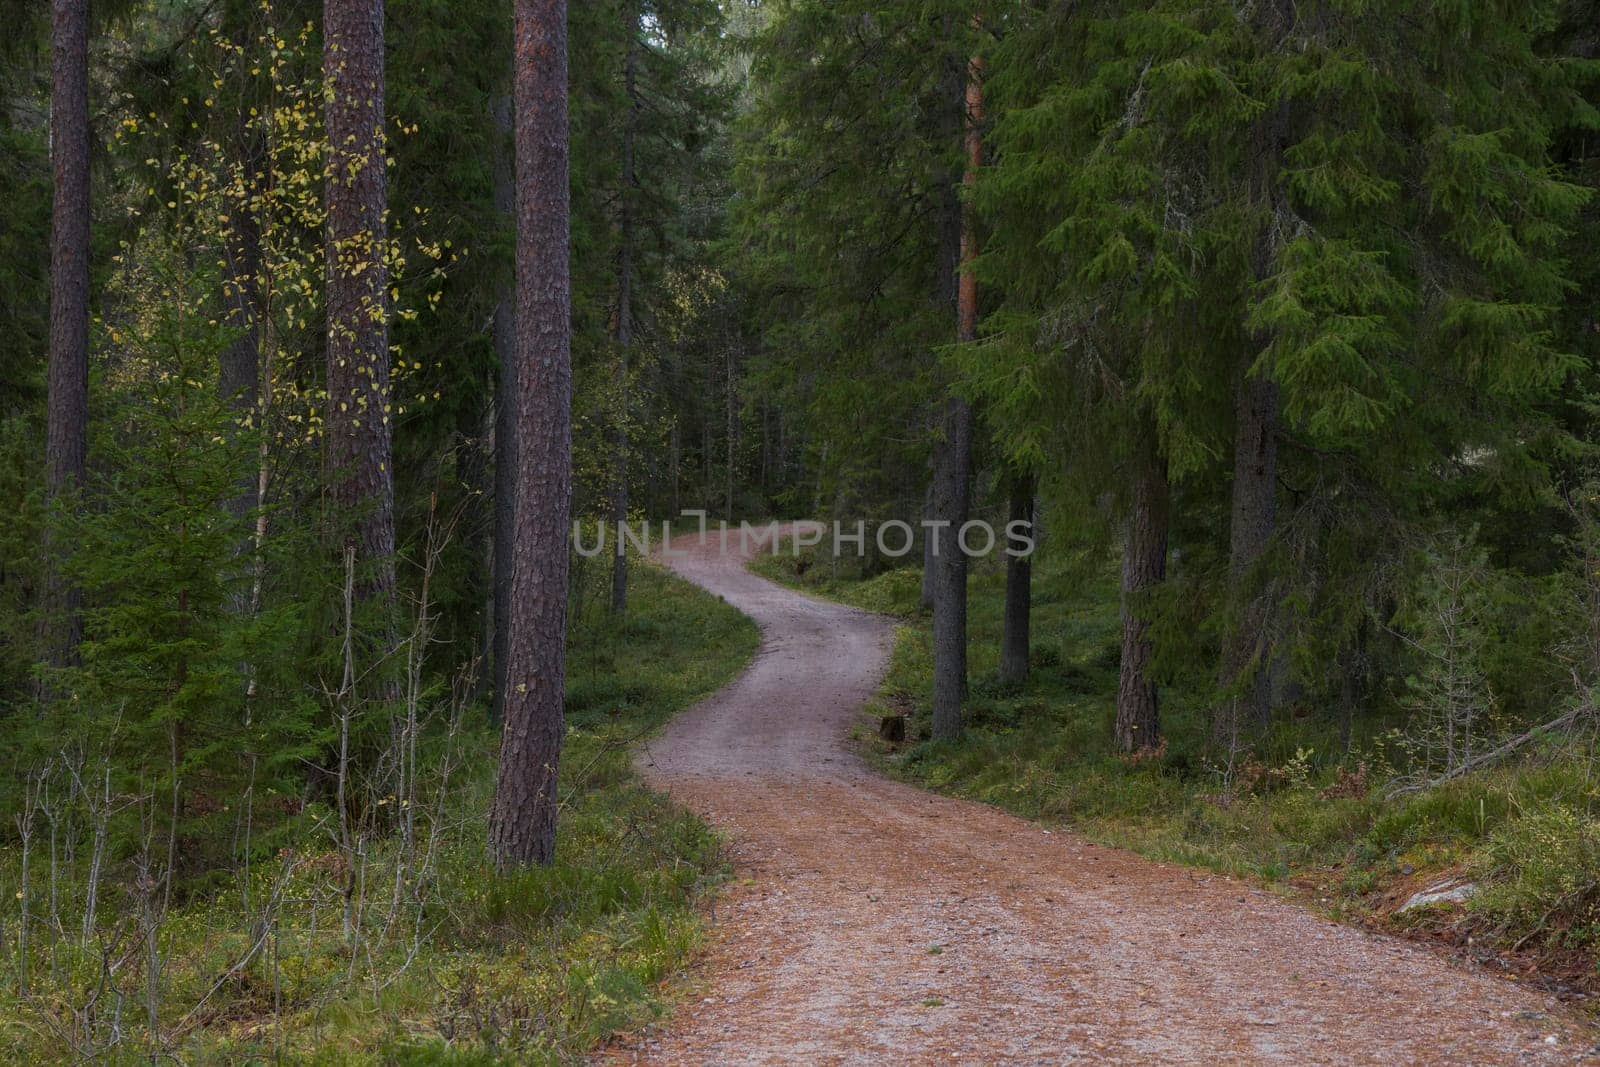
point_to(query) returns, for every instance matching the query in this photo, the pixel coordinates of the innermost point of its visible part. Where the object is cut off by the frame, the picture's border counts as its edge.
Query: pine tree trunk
(624, 336)
(66, 445)
(522, 818)
(953, 457)
(505, 408)
(357, 429)
(1015, 639)
(1144, 565)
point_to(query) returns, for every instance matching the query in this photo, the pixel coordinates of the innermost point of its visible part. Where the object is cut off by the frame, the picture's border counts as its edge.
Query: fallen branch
(1494, 755)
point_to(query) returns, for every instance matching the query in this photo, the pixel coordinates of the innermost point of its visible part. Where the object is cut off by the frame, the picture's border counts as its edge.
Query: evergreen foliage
(1286, 312)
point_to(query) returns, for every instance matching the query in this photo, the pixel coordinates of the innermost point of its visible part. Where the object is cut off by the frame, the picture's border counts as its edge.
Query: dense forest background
(1277, 319)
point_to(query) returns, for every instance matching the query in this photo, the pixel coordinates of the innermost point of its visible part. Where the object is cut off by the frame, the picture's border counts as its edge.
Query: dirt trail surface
(869, 922)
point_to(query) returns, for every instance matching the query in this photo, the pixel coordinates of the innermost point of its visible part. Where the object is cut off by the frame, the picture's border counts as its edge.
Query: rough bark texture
(1247, 649)
(505, 411)
(522, 818)
(1248, 646)
(1144, 565)
(1015, 639)
(624, 334)
(927, 546)
(357, 429)
(66, 445)
(952, 463)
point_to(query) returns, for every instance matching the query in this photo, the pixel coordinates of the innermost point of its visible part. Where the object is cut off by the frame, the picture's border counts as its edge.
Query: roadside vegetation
(383, 939)
(1315, 811)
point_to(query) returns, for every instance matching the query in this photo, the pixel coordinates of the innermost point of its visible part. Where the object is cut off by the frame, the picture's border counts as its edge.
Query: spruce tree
(1207, 213)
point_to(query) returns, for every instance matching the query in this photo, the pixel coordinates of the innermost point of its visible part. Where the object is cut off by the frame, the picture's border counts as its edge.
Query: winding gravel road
(869, 922)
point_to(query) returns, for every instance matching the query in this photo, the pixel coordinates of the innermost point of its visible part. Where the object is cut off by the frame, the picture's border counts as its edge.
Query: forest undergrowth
(383, 937)
(1319, 810)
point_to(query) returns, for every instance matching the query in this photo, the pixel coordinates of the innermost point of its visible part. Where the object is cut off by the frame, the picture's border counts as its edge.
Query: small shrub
(1543, 869)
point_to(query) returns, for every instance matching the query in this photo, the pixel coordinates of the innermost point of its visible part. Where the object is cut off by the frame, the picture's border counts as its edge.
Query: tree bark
(66, 447)
(953, 457)
(731, 401)
(624, 334)
(245, 291)
(505, 408)
(358, 454)
(522, 818)
(1144, 566)
(1248, 645)
(1015, 639)
(1247, 649)
(239, 365)
(239, 369)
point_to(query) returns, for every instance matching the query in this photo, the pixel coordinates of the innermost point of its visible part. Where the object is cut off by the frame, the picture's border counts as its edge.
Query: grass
(535, 967)
(1308, 817)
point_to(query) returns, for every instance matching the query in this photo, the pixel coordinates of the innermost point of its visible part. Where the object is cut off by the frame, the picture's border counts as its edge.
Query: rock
(1447, 892)
(892, 728)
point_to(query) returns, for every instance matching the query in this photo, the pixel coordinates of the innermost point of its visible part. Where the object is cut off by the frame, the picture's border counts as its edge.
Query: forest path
(870, 922)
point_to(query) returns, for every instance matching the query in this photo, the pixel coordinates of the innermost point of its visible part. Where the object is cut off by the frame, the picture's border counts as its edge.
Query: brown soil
(870, 922)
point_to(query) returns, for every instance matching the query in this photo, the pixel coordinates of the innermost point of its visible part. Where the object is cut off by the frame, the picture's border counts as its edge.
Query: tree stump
(892, 728)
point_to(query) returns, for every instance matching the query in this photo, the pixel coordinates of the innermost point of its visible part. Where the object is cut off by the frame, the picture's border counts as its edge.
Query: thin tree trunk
(484, 681)
(522, 817)
(239, 364)
(66, 448)
(706, 451)
(733, 434)
(1247, 649)
(1144, 566)
(766, 448)
(624, 338)
(1352, 682)
(951, 483)
(505, 408)
(928, 558)
(244, 292)
(1015, 639)
(357, 429)
(953, 456)
(675, 450)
